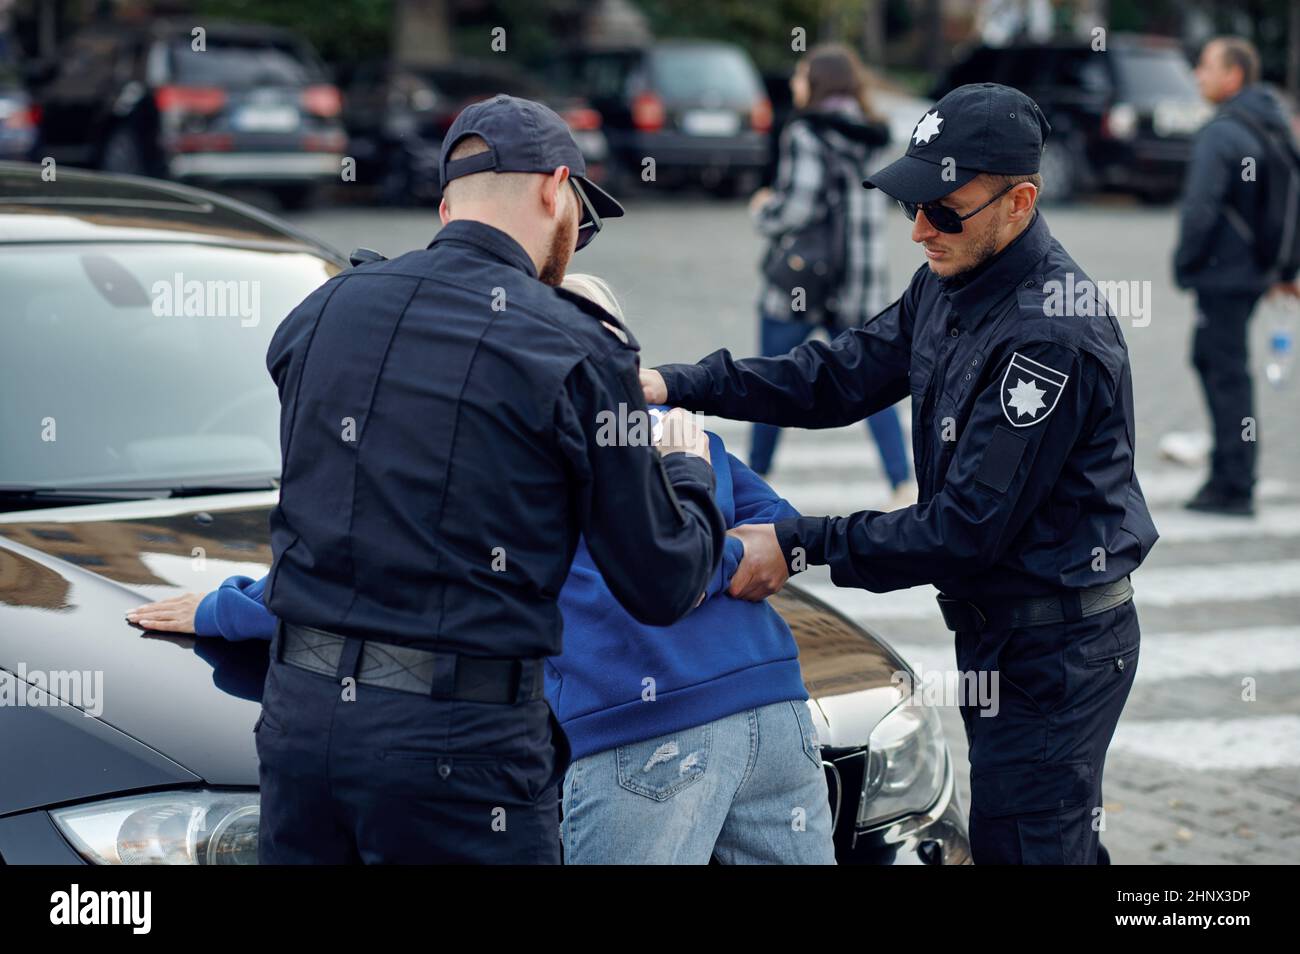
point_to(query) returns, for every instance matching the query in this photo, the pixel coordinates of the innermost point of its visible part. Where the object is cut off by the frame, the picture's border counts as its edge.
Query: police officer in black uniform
(441, 432)
(1030, 518)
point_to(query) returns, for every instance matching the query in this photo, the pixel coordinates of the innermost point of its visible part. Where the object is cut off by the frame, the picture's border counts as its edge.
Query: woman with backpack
(825, 264)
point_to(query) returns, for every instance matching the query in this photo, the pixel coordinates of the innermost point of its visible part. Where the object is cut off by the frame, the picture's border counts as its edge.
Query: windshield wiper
(133, 491)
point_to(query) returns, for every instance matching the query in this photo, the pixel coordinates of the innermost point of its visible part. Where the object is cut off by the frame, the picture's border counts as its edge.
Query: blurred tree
(763, 28)
(341, 31)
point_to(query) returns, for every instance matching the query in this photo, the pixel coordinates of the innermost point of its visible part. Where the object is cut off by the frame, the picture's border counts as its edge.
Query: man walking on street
(1223, 254)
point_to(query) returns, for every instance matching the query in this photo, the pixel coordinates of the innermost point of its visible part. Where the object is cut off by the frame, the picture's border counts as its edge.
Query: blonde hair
(593, 289)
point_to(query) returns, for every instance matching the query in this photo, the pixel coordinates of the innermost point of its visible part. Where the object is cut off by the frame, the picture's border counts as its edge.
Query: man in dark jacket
(447, 427)
(1216, 257)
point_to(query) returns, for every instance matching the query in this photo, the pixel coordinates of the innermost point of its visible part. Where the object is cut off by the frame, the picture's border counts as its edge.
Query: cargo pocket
(1047, 806)
(660, 768)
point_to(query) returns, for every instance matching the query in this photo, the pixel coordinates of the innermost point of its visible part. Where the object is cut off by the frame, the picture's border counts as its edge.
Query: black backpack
(1275, 227)
(813, 258)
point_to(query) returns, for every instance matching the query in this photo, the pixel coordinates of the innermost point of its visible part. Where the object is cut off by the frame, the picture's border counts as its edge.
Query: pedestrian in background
(1223, 250)
(825, 264)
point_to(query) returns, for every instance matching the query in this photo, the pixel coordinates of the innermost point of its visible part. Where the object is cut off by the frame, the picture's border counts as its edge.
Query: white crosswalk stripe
(1168, 656)
(1201, 744)
(1163, 492)
(1168, 586)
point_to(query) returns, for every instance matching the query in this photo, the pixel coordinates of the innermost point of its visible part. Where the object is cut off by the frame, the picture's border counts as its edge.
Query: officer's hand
(682, 433)
(653, 387)
(175, 615)
(762, 571)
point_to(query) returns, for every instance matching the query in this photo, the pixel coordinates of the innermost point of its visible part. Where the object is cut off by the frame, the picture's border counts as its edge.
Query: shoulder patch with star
(1030, 390)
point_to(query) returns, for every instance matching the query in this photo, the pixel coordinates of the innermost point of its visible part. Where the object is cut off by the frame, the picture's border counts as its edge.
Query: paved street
(1196, 773)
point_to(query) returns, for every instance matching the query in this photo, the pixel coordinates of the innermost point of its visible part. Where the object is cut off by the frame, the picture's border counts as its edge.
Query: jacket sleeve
(235, 611)
(650, 522)
(733, 551)
(800, 181)
(1204, 193)
(755, 500)
(818, 384)
(1002, 470)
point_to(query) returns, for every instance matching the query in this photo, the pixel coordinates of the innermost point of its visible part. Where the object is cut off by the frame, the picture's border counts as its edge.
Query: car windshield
(142, 364)
(232, 64)
(690, 73)
(1156, 75)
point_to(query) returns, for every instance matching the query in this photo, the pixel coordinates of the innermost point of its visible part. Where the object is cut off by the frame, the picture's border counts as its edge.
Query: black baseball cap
(522, 136)
(980, 127)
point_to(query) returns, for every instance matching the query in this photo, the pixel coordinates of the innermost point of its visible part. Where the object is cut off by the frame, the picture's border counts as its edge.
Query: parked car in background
(161, 483)
(19, 117)
(698, 108)
(252, 106)
(1121, 118)
(397, 116)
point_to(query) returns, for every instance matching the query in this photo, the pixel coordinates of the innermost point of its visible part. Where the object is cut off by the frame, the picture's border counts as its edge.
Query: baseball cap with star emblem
(980, 127)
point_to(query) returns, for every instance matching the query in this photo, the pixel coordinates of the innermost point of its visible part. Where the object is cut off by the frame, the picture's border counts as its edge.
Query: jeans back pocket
(659, 768)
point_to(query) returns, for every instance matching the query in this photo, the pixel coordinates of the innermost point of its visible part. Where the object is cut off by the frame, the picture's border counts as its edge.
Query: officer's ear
(553, 187)
(1023, 198)
(444, 212)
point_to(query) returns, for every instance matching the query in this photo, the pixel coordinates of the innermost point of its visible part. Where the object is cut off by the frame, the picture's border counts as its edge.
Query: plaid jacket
(804, 174)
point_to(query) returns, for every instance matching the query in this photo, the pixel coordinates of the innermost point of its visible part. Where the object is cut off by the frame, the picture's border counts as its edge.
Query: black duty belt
(440, 675)
(1069, 607)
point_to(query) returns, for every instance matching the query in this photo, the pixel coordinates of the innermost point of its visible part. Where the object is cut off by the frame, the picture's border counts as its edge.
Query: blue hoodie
(619, 681)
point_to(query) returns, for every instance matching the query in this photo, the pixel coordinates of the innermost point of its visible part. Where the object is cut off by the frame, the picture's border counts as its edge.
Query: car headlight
(906, 760)
(1122, 121)
(165, 828)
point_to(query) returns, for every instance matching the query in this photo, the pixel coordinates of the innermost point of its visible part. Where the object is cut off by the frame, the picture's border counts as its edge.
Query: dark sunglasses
(943, 218)
(589, 222)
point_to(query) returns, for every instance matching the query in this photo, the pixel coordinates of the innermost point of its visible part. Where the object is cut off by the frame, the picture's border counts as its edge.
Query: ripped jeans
(746, 789)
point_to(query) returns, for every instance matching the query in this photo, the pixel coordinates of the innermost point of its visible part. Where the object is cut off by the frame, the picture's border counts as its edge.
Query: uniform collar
(488, 238)
(973, 294)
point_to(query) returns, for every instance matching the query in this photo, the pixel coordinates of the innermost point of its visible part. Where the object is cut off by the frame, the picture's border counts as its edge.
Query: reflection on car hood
(68, 575)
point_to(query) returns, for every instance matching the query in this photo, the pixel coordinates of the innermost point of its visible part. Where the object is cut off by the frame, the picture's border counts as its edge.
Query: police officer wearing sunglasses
(444, 445)
(1030, 519)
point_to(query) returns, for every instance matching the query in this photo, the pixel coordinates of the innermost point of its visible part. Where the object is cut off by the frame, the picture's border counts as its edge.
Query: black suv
(1121, 118)
(237, 104)
(697, 108)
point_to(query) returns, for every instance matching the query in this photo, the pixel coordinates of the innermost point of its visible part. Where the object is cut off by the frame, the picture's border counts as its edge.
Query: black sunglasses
(589, 223)
(943, 218)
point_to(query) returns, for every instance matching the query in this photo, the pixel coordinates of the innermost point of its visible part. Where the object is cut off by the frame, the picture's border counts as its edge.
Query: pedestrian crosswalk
(1219, 601)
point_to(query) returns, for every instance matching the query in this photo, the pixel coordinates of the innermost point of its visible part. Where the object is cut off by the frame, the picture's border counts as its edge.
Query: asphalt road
(1205, 766)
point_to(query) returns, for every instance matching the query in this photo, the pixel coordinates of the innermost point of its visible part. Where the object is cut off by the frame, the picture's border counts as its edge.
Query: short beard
(561, 251)
(984, 247)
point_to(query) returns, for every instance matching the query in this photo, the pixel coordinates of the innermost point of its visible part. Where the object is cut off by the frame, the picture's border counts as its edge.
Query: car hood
(68, 575)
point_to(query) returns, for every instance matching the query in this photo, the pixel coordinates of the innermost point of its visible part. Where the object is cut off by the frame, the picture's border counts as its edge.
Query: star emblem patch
(1030, 390)
(927, 128)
